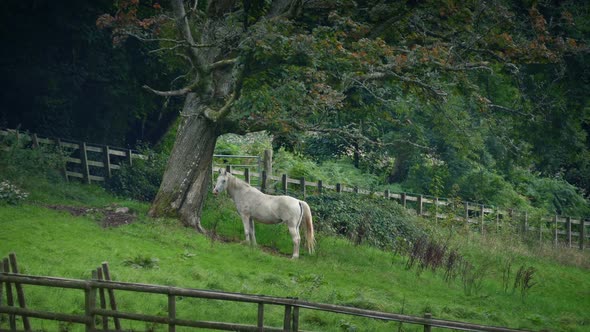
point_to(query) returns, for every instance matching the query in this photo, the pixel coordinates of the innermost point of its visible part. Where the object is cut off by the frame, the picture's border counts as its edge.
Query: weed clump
(142, 262)
(523, 281)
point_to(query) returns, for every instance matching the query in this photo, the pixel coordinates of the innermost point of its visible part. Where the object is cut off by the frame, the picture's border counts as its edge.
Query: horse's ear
(221, 171)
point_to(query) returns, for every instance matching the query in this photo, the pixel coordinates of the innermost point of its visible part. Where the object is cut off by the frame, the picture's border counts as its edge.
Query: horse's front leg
(247, 231)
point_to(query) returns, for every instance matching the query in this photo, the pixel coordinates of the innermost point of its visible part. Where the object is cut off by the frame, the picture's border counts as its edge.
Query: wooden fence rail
(96, 286)
(88, 162)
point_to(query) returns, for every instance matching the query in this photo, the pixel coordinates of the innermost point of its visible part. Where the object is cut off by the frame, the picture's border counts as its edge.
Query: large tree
(356, 70)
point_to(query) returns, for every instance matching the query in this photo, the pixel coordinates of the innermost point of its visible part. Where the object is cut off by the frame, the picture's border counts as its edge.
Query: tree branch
(509, 110)
(179, 92)
(222, 63)
(185, 31)
(388, 74)
(466, 66)
(222, 112)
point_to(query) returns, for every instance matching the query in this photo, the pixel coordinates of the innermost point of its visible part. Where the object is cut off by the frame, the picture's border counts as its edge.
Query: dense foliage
(21, 164)
(473, 98)
(365, 220)
(141, 180)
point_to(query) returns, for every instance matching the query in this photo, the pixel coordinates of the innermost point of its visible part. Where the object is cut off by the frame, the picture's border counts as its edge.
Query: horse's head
(222, 181)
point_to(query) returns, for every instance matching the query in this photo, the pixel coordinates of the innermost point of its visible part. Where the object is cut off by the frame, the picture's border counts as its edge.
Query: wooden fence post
(267, 161)
(35, 141)
(1, 288)
(84, 160)
(65, 167)
(466, 213)
(266, 168)
(102, 299)
(106, 160)
(284, 183)
(130, 157)
(9, 295)
(541, 231)
(481, 218)
(287, 318)
(112, 301)
(302, 184)
(295, 319)
(555, 230)
(89, 305)
(582, 233)
(386, 194)
(320, 186)
(420, 205)
(260, 316)
(427, 327)
(568, 229)
(338, 188)
(263, 182)
(171, 312)
(20, 294)
(436, 210)
(247, 175)
(403, 199)
(525, 225)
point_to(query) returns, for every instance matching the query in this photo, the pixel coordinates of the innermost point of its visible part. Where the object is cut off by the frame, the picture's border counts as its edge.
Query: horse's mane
(238, 180)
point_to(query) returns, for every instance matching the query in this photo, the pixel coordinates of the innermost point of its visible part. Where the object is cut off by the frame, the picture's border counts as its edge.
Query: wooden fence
(561, 230)
(96, 313)
(88, 162)
(94, 162)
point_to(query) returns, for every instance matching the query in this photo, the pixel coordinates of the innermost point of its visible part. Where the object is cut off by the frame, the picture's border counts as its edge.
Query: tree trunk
(186, 179)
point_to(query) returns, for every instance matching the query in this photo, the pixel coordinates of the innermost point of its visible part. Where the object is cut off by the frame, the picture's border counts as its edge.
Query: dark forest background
(60, 76)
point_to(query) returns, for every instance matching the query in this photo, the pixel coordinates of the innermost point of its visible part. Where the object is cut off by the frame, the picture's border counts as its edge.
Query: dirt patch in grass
(110, 216)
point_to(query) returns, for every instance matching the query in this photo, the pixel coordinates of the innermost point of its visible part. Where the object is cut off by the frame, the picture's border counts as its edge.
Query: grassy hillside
(56, 243)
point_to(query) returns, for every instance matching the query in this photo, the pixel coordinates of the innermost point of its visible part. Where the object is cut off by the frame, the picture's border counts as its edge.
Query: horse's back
(274, 209)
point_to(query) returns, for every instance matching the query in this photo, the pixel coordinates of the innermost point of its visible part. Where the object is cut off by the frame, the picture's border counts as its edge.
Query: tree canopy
(437, 94)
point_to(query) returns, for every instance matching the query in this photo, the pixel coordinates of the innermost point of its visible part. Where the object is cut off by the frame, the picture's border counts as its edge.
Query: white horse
(267, 209)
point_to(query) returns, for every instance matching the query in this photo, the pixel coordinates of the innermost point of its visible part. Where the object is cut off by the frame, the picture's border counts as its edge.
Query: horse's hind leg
(294, 231)
(252, 231)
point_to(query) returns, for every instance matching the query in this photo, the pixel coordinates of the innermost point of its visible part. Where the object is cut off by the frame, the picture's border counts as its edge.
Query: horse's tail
(309, 234)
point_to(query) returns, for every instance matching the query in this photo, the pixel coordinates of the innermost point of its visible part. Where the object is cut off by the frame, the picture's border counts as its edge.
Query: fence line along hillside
(85, 161)
(560, 230)
(100, 308)
(95, 162)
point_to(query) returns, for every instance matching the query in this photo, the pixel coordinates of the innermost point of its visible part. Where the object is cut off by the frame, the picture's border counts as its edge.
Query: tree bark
(185, 183)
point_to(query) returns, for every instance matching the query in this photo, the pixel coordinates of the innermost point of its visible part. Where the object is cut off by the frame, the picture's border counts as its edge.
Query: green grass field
(55, 243)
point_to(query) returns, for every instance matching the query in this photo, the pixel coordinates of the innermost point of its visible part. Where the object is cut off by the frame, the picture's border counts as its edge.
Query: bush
(332, 172)
(483, 186)
(19, 163)
(554, 195)
(141, 180)
(363, 219)
(11, 194)
(252, 144)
